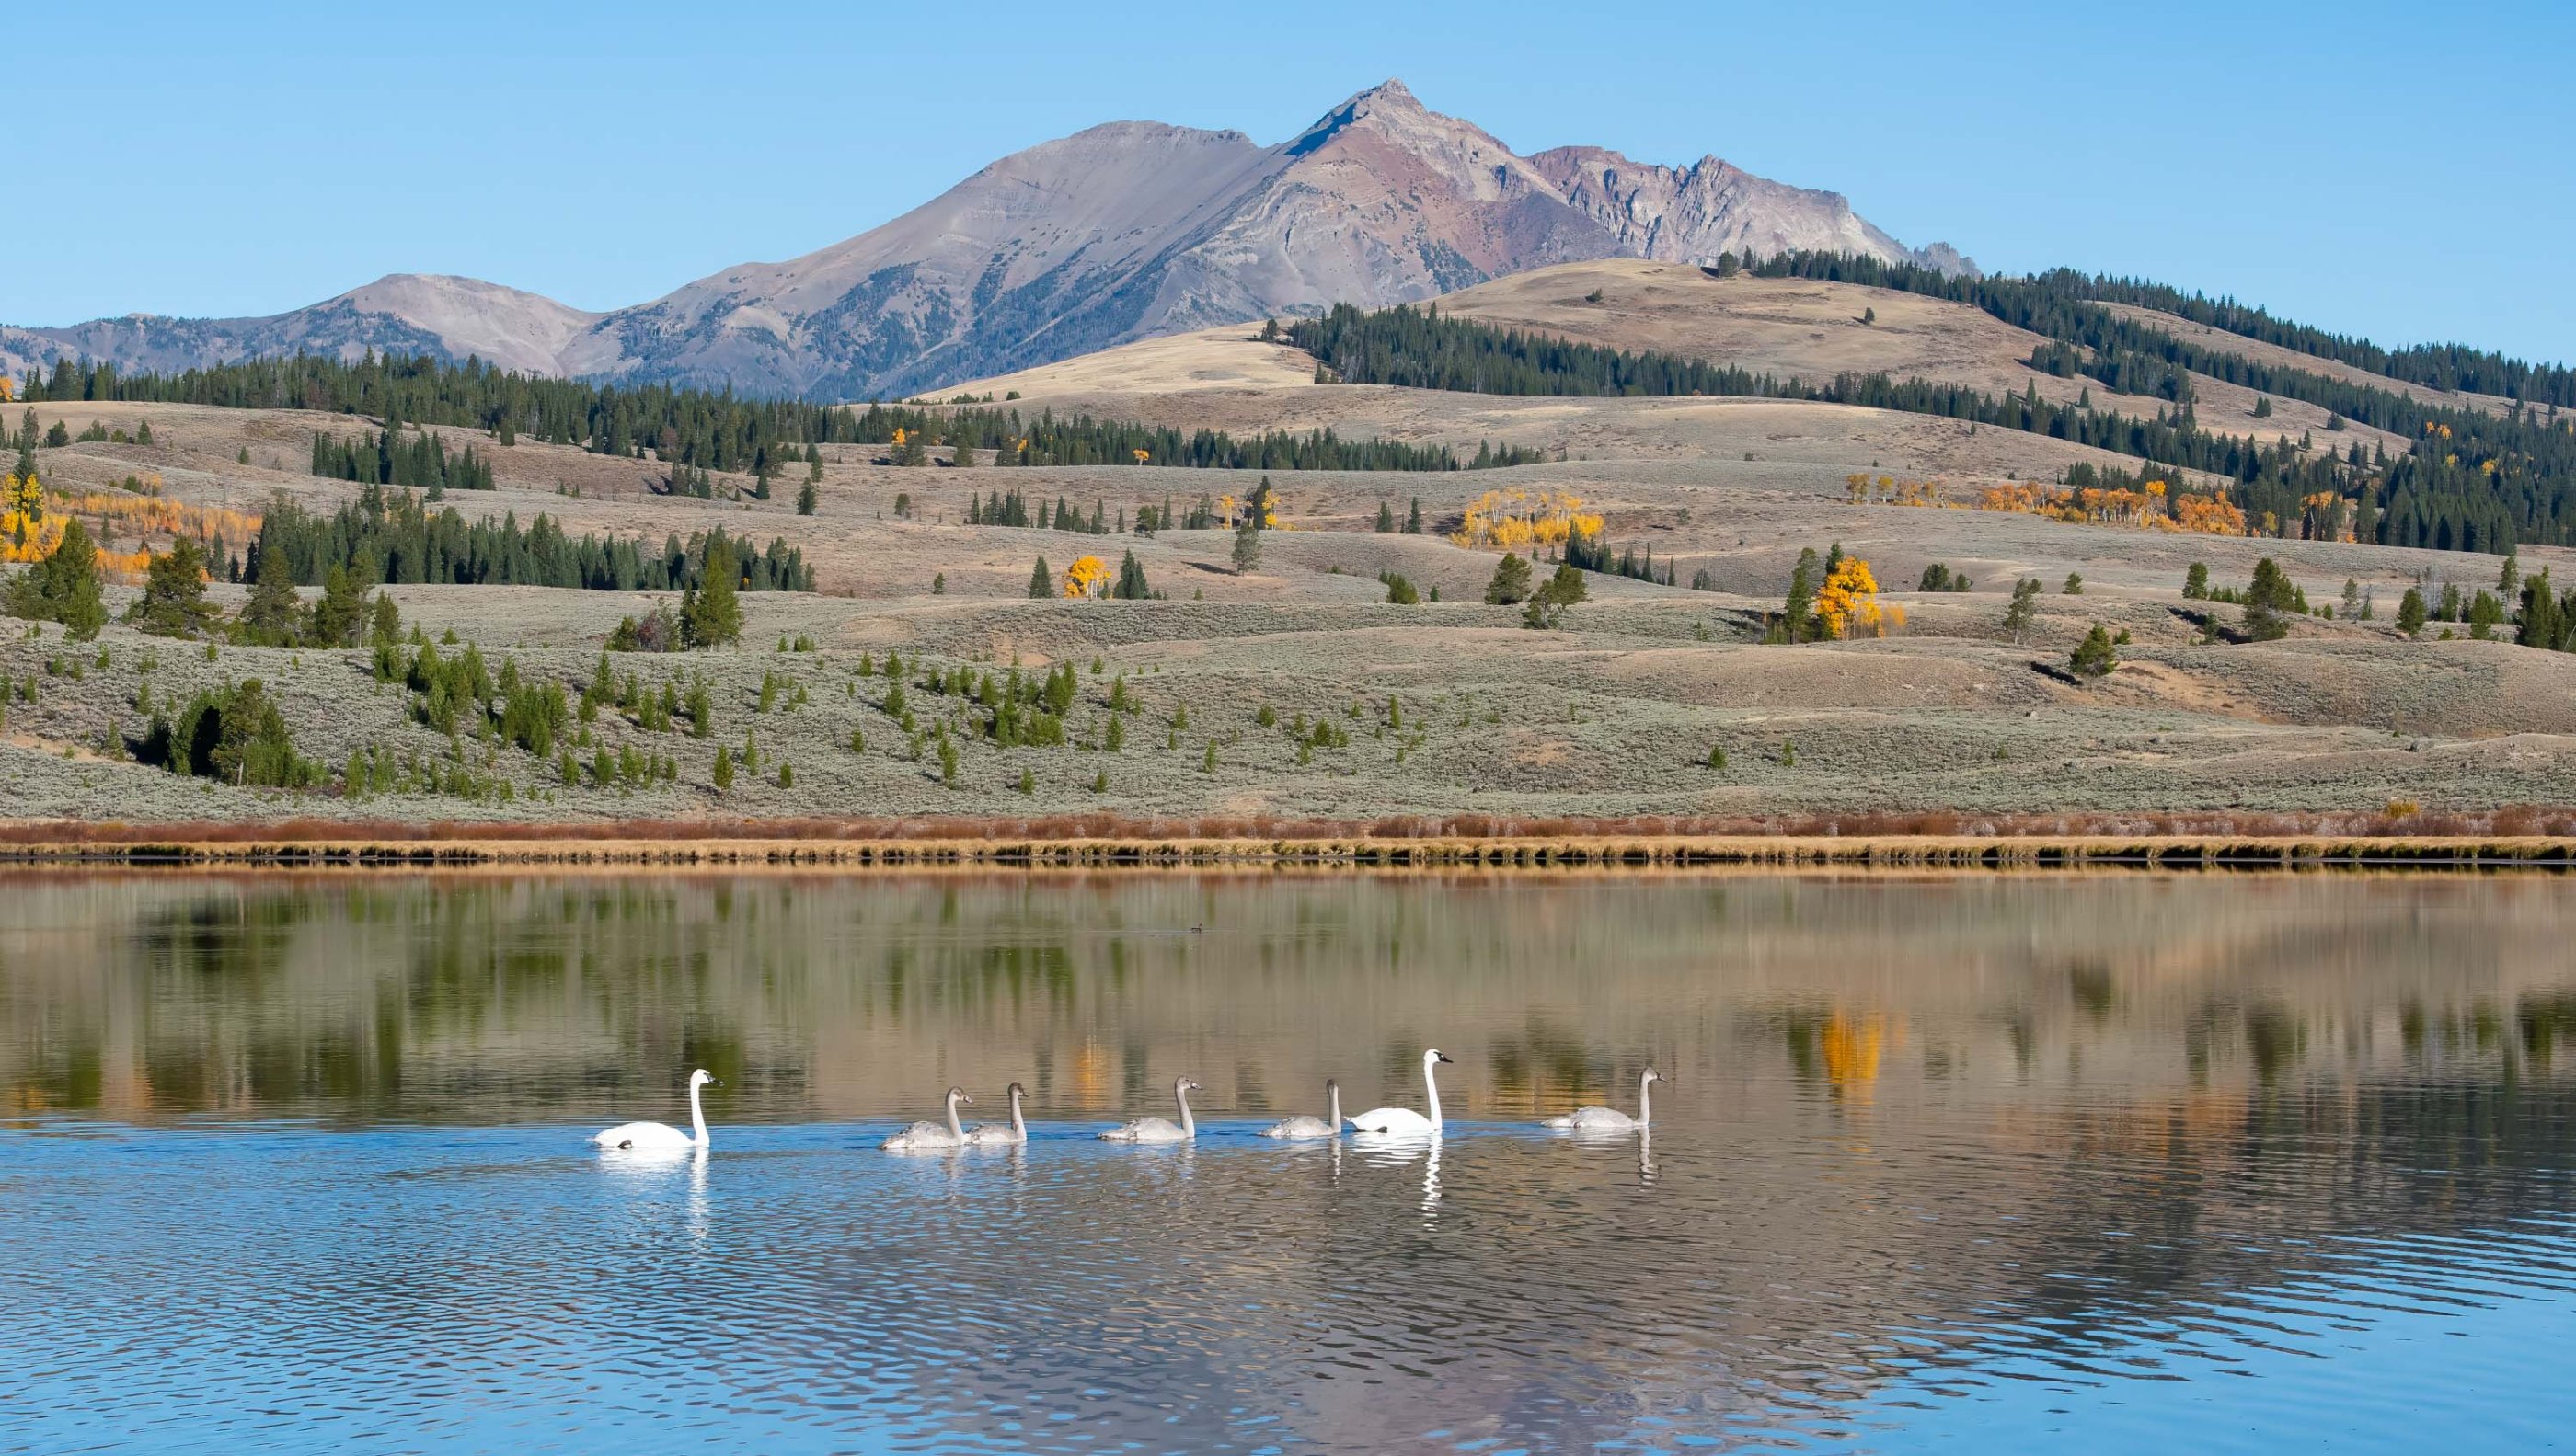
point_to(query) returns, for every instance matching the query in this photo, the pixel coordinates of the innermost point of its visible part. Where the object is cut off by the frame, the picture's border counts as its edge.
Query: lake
(1979, 1163)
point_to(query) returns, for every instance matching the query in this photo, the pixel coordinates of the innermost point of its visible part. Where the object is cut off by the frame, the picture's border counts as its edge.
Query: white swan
(931, 1134)
(1611, 1119)
(658, 1137)
(1404, 1121)
(993, 1135)
(1155, 1129)
(1302, 1126)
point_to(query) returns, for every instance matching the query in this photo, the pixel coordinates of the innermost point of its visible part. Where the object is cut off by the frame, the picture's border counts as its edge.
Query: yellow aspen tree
(1085, 577)
(1848, 601)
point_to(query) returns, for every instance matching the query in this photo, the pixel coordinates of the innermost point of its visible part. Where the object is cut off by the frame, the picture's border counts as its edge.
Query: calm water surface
(1977, 1164)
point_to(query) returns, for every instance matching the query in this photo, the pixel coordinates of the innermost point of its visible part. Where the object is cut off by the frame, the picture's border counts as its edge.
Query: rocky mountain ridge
(1119, 232)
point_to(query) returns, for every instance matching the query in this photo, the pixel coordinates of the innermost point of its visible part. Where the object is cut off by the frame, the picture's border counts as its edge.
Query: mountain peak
(1389, 92)
(1386, 106)
(1120, 232)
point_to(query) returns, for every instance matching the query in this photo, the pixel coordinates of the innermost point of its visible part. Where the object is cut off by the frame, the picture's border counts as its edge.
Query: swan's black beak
(1453, 1061)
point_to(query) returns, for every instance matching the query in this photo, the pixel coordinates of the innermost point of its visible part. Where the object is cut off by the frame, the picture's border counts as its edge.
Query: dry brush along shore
(2519, 839)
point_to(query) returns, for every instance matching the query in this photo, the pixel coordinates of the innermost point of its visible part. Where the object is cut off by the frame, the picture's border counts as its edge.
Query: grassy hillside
(1294, 686)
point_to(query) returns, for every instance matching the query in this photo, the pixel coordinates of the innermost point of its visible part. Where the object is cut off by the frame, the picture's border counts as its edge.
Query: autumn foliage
(1848, 602)
(1086, 577)
(31, 523)
(1520, 520)
(2149, 507)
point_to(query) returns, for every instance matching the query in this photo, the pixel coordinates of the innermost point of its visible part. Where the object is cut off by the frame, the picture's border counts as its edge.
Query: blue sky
(2398, 171)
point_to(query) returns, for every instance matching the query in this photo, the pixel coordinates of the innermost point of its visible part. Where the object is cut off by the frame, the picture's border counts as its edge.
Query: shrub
(236, 736)
(1547, 606)
(2094, 656)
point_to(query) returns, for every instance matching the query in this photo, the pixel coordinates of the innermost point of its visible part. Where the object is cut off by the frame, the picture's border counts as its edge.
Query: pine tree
(1511, 581)
(2540, 623)
(339, 612)
(2410, 613)
(63, 587)
(268, 618)
(2269, 600)
(1131, 585)
(2024, 608)
(808, 497)
(1385, 519)
(2094, 656)
(173, 603)
(1041, 583)
(1797, 610)
(1413, 518)
(712, 617)
(384, 622)
(1547, 606)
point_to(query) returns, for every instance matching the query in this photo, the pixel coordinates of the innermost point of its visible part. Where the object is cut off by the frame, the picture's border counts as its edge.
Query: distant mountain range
(1117, 233)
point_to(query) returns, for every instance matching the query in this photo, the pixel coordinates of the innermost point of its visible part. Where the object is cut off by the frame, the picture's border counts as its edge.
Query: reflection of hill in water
(1909, 1122)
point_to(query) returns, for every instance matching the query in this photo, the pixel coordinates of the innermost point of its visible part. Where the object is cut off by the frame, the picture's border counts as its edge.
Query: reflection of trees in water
(505, 996)
(2089, 1114)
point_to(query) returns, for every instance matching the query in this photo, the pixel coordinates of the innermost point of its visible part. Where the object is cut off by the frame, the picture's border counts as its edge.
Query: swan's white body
(1157, 1130)
(661, 1137)
(1404, 1122)
(994, 1135)
(1302, 1126)
(1611, 1119)
(931, 1134)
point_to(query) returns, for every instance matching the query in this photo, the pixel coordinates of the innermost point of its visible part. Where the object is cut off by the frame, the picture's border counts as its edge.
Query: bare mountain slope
(1122, 232)
(1132, 230)
(413, 313)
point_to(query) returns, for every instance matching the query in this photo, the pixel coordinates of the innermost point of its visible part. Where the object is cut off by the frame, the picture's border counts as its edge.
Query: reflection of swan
(931, 1134)
(994, 1135)
(1645, 1156)
(1302, 1126)
(1404, 1121)
(1610, 1119)
(656, 1137)
(1155, 1129)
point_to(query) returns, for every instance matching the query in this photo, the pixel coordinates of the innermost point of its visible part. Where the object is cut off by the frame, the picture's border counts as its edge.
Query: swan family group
(1380, 1122)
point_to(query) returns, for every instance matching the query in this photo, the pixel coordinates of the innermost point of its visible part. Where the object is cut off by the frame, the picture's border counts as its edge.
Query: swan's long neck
(1336, 1091)
(1019, 1129)
(1645, 1099)
(697, 1119)
(1431, 1088)
(1188, 1128)
(953, 1129)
